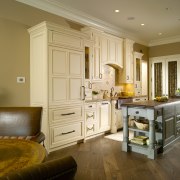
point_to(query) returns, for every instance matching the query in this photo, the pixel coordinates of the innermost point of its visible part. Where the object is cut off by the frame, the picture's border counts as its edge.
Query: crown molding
(57, 8)
(162, 41)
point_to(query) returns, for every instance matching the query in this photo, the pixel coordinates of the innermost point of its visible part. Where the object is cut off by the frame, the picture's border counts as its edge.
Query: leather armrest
(40, 137)
(64, 168)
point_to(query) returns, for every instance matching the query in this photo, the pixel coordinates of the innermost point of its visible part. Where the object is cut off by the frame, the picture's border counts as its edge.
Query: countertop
(115, 98)
(152, 103)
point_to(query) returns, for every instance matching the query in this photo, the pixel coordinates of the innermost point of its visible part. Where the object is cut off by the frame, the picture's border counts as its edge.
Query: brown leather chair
(21, 123)
(59, 169)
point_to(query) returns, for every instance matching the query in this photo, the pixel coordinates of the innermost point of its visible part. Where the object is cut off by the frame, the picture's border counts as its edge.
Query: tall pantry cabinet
(57, 82)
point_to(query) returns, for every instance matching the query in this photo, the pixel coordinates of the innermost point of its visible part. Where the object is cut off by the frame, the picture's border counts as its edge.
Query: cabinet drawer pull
(67, 114)
(90, 106)
(137, 112)
(88, 129)
(92, 116)
(100, 75)
(90, 85)
(83, 95)
(104, 103)
(66, 133)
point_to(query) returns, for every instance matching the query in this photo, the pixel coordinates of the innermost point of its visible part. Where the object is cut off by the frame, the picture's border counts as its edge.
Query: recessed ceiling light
(130, 18)
(159, 34)
(142, 24)
(117, 10)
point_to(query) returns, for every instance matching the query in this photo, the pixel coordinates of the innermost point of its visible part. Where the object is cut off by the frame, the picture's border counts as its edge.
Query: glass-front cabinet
(137, 73)
(164, 76)
(88, 49)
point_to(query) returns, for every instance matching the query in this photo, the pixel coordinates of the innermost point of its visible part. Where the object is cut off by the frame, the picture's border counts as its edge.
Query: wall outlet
(20, 79)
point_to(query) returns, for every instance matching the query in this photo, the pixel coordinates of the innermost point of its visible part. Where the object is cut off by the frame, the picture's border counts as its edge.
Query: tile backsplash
(108, 81)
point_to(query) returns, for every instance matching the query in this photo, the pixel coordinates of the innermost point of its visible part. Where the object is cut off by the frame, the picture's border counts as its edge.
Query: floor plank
(102, 159)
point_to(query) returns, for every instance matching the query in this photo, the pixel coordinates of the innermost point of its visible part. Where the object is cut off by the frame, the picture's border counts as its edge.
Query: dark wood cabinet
(169, 130)
(171, 124)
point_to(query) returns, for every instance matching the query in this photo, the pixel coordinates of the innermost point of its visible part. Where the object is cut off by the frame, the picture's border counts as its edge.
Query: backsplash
(108, 81)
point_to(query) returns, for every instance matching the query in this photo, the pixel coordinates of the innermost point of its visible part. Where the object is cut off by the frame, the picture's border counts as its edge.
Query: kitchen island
(163, 125)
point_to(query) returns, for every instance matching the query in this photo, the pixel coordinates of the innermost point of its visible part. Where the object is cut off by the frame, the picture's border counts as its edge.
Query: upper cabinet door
(97, 75)
(104, 50)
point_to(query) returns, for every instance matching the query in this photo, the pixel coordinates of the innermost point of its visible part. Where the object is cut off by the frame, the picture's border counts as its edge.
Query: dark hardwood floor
(102, 159)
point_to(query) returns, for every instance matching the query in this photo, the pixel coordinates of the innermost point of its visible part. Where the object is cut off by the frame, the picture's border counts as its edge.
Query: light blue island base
(149, 150)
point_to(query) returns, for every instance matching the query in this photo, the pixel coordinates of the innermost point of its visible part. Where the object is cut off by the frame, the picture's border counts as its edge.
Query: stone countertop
(114, 98)
(151, 103)
(97, 100)
(108, 99)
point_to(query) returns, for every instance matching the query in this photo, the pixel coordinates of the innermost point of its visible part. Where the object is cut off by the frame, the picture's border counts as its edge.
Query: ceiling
(158, 16)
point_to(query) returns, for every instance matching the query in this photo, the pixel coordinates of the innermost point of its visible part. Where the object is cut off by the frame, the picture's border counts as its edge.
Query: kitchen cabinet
(111, 50)
(65, 75)
(144, 84)
(104, 115)
(126, 74)
(88, 46)
(169, 124)
(104, 49)
(164, 75)
(95, 36)
(90, 119)
(116, 117)
(57, 82)
(140, 98)
(137, 73)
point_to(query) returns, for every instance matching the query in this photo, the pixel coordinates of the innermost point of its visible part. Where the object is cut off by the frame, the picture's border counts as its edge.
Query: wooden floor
(102, 159)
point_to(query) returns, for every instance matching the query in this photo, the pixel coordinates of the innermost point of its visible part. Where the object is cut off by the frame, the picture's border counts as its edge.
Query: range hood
(114, 65)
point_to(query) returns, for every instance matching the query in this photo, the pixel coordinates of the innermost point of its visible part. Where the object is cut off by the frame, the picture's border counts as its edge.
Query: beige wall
(164, 50)
(14, 61)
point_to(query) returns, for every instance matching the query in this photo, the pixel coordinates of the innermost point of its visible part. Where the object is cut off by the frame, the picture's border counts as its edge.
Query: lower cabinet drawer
(62, 135)
(66, 113)
(90, 129)
(137, 112)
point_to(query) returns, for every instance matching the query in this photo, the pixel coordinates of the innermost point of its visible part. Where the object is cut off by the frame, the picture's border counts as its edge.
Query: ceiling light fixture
(117, 10)
(159, 34)
(142, 24)
(130, 18)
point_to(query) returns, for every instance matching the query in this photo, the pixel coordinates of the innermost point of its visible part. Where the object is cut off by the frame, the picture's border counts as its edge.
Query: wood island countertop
(152, 103)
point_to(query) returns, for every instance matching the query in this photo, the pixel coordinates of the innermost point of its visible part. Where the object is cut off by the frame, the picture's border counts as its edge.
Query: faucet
(111, 93)
(115, 94)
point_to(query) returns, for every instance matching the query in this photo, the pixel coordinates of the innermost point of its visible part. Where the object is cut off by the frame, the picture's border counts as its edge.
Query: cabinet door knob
(100, 75)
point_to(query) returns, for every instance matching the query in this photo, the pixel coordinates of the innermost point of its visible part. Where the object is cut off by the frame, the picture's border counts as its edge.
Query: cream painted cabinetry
(57, 82)
(88, 46)
(90, 119)
(95, 36)
(65, 75)
(138, 73)
(127, 72)
(104, 115)
(97, 118)
(111, 50)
